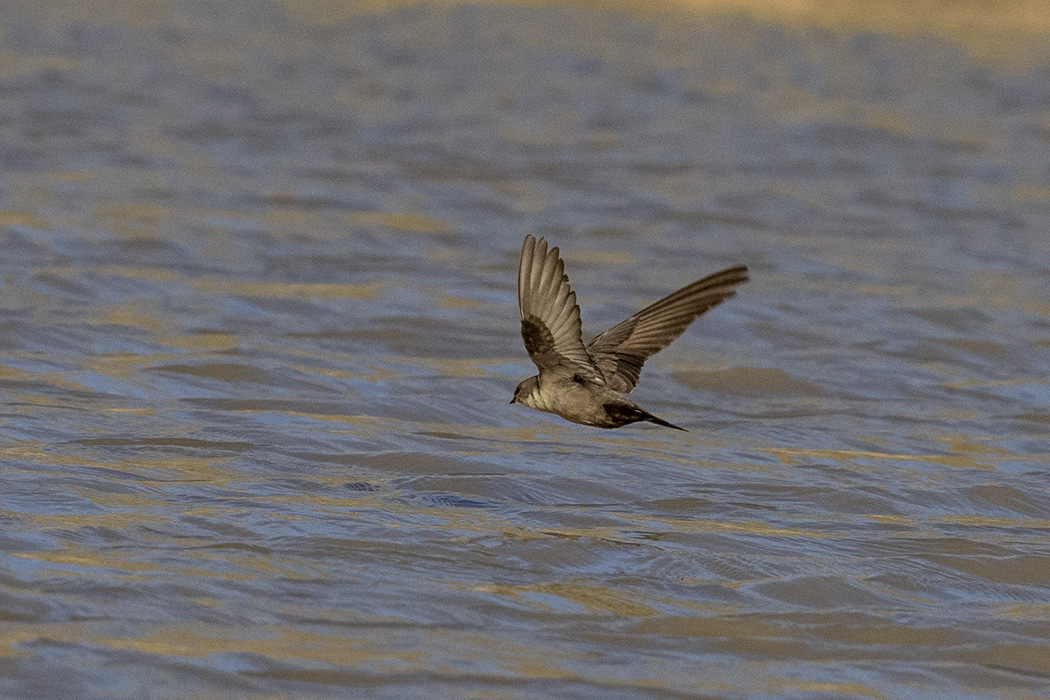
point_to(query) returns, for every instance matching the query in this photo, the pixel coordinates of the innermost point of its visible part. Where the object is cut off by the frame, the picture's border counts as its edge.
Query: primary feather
(550, 316)
(621, 351)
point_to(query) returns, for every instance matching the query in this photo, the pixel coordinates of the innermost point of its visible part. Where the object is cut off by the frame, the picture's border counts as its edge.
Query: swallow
(588, 384)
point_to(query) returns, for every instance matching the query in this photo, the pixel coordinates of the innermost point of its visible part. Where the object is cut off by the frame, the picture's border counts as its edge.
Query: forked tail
(661, 421)
(623, 414)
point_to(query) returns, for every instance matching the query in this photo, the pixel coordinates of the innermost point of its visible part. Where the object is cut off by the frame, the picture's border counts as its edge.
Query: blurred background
(258, 332)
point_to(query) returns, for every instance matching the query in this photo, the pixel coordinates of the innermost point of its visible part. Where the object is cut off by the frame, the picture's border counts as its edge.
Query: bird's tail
(622, 413)
(661, 421)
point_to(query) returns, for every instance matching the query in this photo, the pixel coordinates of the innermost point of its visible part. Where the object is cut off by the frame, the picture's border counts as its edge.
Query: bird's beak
(514, 400)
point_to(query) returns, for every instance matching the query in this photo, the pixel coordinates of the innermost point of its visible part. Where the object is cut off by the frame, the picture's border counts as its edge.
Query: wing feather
(621, 351)
(550, 316)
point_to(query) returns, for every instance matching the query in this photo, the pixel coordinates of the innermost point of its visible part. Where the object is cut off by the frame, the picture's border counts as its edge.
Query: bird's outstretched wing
(550, 316)
(621, 351)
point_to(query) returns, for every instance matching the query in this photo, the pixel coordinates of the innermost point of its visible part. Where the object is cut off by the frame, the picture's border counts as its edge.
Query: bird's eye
(577, 378)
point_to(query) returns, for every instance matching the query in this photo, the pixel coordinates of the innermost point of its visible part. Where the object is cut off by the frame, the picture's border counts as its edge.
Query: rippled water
(259, 333)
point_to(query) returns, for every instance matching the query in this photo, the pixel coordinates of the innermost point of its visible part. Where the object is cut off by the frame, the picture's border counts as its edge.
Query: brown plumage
(587, 383)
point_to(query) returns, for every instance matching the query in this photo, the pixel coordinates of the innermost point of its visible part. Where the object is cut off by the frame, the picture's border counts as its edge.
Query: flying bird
(589, 383)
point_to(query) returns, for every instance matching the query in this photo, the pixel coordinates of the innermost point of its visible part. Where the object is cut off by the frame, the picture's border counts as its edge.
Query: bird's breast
(573, 400)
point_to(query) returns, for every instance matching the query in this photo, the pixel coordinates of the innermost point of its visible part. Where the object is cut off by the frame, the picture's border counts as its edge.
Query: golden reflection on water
(408, 222)
(1003, 31)
(21, 218)
(287, 290)
(594, 599)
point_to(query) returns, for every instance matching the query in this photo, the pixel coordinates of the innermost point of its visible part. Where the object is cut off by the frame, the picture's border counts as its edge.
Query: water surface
(259, 333)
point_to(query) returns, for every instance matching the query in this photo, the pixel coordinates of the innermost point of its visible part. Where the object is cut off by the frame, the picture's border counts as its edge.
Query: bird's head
(525, 389)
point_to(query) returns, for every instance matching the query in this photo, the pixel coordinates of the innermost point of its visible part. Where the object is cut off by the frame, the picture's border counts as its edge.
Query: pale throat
(537, 398)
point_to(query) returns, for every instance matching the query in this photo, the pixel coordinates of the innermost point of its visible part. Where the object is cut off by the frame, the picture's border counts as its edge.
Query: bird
(588, 384)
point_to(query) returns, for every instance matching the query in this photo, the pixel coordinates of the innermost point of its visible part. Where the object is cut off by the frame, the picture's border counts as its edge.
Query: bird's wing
(550, 316)
(621, 351)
